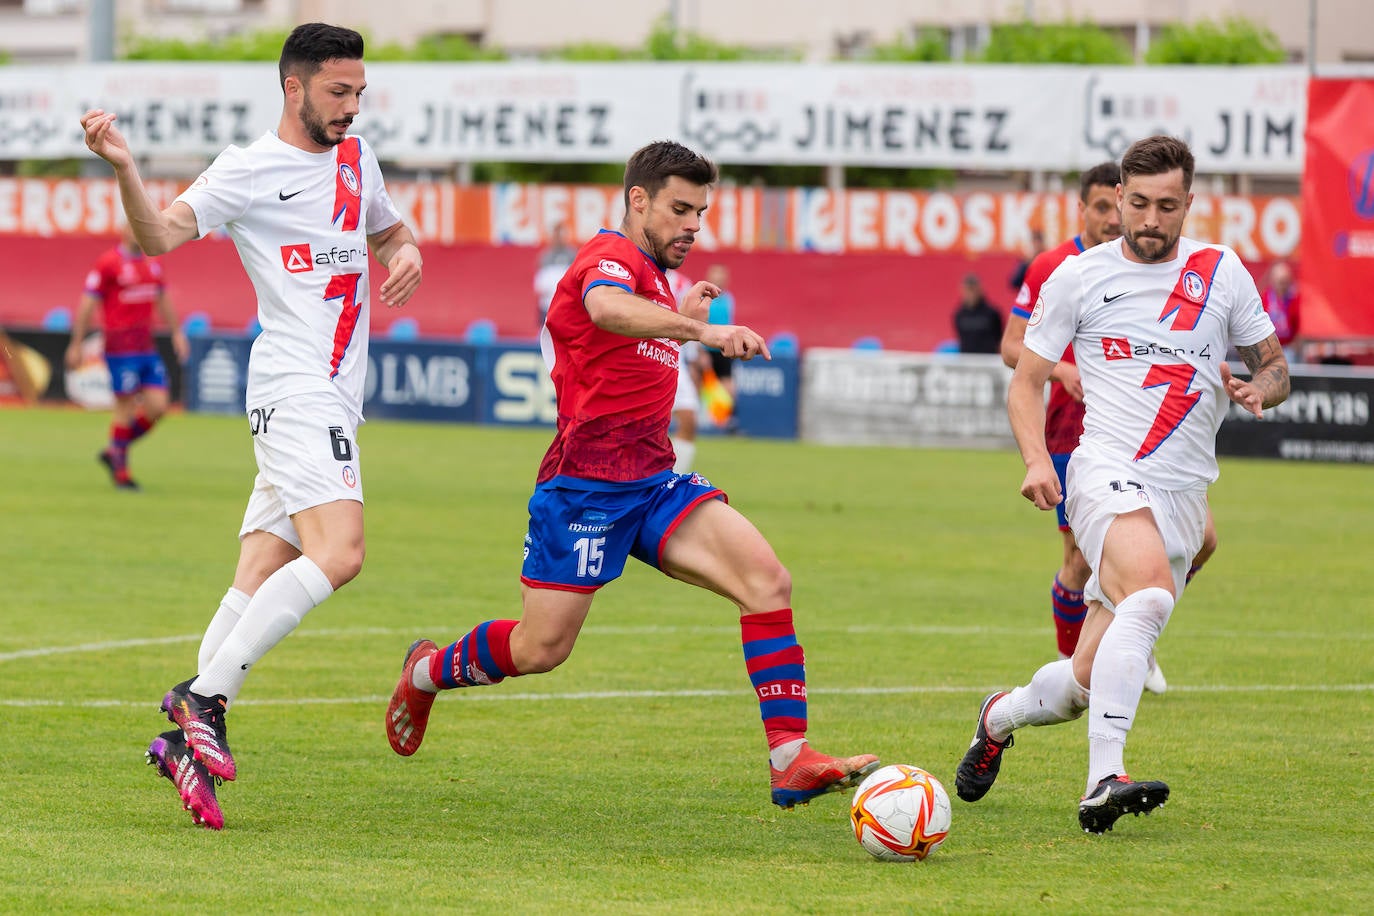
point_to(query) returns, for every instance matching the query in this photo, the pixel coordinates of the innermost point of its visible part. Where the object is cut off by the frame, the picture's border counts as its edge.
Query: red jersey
(128, 286)
(615, 393)
(1063, 415)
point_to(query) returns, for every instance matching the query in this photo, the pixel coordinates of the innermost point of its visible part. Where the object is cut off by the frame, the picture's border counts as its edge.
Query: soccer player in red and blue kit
(606, 489)
(127, 286)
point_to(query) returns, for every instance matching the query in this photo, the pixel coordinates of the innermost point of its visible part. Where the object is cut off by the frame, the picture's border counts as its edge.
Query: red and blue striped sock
(1069, 611)
(480, 657)
(777, 669)
(140, 426)
(120, 437)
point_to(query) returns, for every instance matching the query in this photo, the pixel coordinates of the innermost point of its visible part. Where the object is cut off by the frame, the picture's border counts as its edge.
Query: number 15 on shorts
(589, 556)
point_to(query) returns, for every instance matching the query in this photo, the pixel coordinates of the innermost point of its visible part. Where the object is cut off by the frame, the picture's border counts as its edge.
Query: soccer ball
(900, 813)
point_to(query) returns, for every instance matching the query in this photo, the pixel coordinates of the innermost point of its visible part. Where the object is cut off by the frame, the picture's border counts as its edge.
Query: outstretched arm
(157, 231)
(613, 309)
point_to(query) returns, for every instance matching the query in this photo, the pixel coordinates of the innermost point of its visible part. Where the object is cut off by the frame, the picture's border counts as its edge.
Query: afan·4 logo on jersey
(300, 259)
(1121, 348)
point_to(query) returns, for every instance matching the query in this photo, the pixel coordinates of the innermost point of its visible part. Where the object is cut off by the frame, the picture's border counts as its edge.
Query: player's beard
(663, 252)
(317, 127)
(1166, 245)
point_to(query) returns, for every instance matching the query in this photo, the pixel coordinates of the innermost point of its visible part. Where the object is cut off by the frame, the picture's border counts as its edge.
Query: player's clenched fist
(1041, 486)
(735, 341)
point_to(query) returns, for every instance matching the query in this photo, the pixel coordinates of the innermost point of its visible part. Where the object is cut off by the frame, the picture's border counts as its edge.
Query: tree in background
(1233, 41)
(929, 46)
(665, 42)
(1053, 43)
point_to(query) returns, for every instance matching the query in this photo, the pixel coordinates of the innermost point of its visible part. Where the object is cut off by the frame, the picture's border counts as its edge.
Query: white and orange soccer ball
(900, 813)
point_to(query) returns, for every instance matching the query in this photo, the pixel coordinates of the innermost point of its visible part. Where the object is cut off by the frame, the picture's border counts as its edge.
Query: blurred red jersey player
(127, 285)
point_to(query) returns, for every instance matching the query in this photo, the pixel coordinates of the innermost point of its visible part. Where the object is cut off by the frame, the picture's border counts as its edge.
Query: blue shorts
(578, 540)
(1061, 467)
(131, 373)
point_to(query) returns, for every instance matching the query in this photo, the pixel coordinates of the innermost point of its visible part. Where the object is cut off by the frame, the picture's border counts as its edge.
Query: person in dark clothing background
(977, 323)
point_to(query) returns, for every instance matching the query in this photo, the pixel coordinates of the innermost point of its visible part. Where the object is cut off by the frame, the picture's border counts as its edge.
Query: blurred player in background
(554, 261)
(606, 489)
(128, 286)
(1153, 315)
(723, 312)
(304, 205)
(1064, 414)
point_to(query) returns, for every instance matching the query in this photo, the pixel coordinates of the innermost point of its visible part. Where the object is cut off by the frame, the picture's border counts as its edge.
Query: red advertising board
(1338, 210)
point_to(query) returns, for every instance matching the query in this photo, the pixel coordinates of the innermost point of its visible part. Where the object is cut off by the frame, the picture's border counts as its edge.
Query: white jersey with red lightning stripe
(1150, 340)
(300, 222)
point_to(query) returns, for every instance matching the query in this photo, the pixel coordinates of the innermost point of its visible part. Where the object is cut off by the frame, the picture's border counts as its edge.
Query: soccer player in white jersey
(1151, 317)
(304, 205)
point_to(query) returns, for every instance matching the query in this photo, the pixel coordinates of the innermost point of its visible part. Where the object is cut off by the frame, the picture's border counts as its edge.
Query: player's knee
(541, 657)
(769, 586)
(342, 563)
(1152, 605)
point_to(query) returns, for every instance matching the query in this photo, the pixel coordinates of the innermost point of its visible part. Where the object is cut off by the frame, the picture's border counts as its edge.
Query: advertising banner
(1338, 210)
(1326, 418)
(819, 220)
(1238, 119)
(856, 397)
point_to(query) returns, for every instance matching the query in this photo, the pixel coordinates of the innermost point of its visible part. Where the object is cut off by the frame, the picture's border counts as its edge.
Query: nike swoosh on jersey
(1105, 297)
(282, 195)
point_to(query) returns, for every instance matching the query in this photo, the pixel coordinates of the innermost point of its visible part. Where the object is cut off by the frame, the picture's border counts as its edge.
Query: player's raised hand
(104, 139)
(403, 277)
(1041, 486)
(697, 303)
(735, 341)
(1242, 392)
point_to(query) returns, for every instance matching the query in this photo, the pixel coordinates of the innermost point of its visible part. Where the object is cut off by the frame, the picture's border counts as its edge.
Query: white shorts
(1099, 490)
(307, 453)
(687, 397)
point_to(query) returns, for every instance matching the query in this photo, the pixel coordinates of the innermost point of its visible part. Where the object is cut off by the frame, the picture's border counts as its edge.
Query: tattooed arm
(1268, 385)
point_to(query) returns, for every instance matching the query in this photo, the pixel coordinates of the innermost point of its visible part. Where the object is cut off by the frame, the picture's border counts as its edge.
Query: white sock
(275, 610)
(686, 454)
(1051, 697)
(420, 679)
(1119, 669)
(231, 608)
(781, 757)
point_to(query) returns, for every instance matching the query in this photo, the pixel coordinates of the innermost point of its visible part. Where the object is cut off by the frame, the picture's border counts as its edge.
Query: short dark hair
(1107, 174)
(310, 45)
(1157, 155)
(651, 166)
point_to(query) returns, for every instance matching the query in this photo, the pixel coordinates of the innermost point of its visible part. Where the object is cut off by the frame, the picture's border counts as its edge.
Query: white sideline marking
(470, 696)
(652, 629)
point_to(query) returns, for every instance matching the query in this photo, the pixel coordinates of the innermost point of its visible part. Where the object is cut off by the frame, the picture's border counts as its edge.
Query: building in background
(51, 31)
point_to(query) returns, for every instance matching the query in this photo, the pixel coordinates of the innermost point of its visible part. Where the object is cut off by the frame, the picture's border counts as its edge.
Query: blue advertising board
(766, 397)
(499, 384)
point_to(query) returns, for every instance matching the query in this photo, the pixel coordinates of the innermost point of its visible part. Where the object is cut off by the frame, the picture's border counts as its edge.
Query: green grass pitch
(633, 779)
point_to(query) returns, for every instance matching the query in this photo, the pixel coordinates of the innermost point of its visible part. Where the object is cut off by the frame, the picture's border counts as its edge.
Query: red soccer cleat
(408, 712)
(814, 773)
